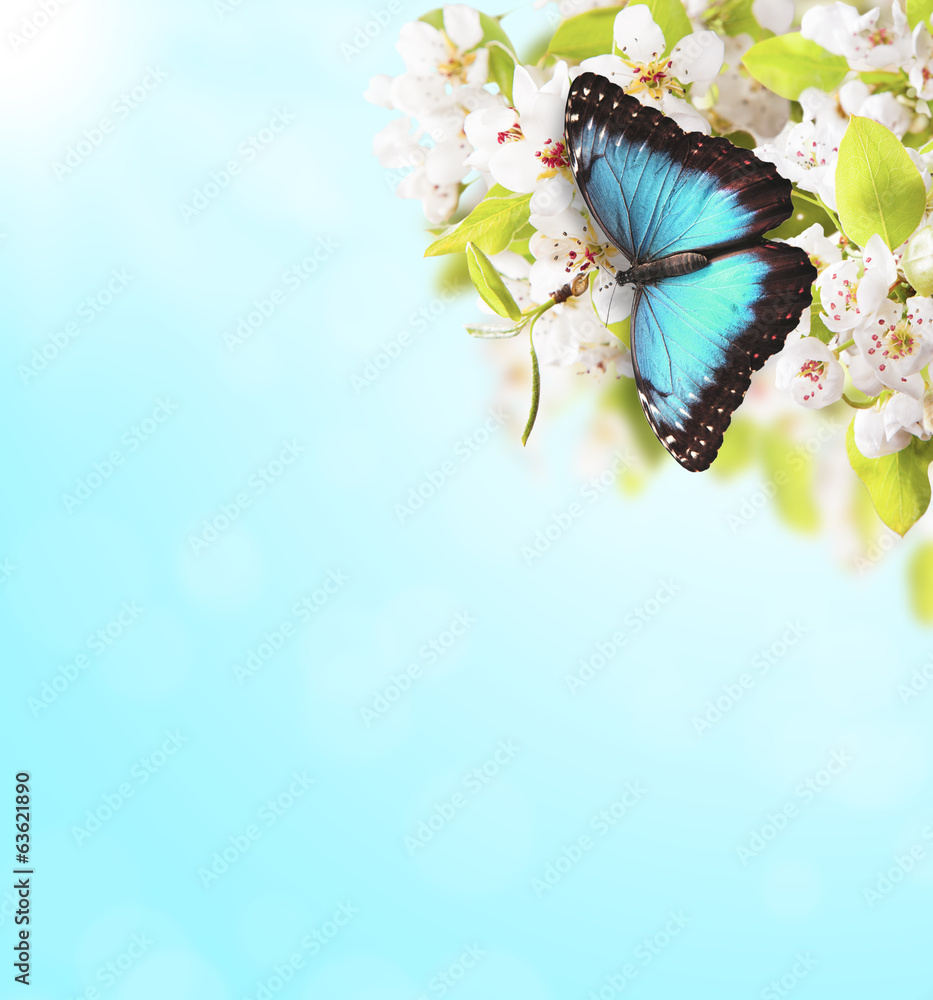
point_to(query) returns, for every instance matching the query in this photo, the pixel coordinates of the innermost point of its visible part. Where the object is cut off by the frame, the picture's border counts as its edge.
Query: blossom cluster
(480, 142)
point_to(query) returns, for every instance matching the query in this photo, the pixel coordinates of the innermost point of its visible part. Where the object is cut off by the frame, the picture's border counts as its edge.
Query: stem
(866, 404)
(495, 42)
(535, 384)
(806, 197)
(819, 203)
(844, 347)
(533, 313)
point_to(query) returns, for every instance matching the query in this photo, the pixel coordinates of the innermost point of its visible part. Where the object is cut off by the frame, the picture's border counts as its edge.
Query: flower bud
(918, 260)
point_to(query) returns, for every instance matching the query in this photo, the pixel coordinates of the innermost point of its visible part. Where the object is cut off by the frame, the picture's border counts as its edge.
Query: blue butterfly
(713, 299)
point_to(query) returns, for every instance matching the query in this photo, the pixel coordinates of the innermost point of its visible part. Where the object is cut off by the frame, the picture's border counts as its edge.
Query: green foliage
(453, 274)
(788, 64)
(919, 11)
(898, 484)
(878, 187)
(622, 329)
(738, 449)
(535, 386)
(623, 396)
(585, 35)
(520, 240)
(920, 578)
(734, 17)
(744, 140)
(490, 226)
(488, 282)
(804, 215)
(818, 328)
(918, 260)
(489, 331)
(590, 34)
(791, 469)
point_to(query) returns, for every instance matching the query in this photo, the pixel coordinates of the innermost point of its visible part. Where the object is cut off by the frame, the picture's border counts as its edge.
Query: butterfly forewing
(661, 190)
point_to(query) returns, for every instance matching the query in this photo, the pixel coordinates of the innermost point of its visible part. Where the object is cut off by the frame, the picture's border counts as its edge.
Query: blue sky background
(172, 701)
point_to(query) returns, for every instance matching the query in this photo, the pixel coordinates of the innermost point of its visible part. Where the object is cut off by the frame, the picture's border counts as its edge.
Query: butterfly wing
(656, 190)
(697, 338)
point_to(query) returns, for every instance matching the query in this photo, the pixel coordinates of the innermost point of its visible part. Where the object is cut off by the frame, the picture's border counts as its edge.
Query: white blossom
(821, 250)
(866, 44)
(646, 73)
(920, 73)
(775, 15)
(898, 340)
(887, 427)
(426, 50)
(850, 298)
(809, 373)
(523, 147)
(444, 81)
(806, 155)
(566, 246)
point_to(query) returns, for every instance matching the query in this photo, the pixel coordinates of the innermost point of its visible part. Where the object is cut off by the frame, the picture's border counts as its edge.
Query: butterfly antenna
(612, 278)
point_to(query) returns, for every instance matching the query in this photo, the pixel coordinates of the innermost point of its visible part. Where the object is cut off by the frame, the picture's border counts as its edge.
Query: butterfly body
(666, 267)
(713, 299)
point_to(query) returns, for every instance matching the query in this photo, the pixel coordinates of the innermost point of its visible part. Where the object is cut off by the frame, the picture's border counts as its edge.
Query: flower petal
(552, 195)
(514, 166)
(775, 15)
(379, 90)
(698, 57)
(462, 26)
(636, 34)
(421, 46)
(870, 438)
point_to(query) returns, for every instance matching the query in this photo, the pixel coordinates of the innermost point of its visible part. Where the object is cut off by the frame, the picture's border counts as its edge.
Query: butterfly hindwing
(656, 190)
(697, 339)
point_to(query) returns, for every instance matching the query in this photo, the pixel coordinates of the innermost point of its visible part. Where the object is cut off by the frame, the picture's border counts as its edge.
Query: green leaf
(920, 576)
(898, 484)
(520, 241)
(489, 331)
(818, 328)
(735, 18)
(491, 226)
(501, 70)
(878, 188)
(788, 64)
(489, 284)
(585, 35)
(919, 11)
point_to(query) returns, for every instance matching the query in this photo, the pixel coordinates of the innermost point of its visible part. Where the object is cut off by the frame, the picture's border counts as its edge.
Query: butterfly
(713, 300)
